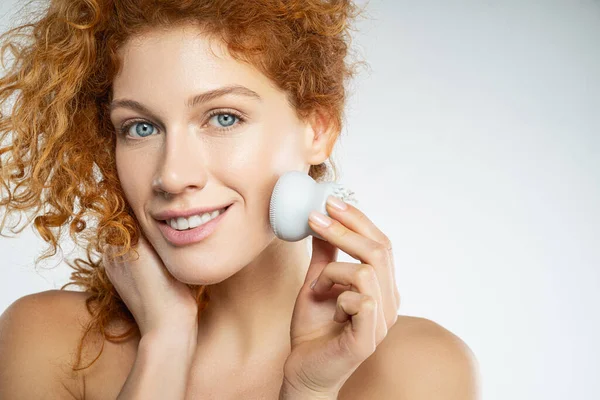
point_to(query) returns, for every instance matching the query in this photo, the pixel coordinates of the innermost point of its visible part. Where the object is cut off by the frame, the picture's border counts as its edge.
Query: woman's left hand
(338, 325)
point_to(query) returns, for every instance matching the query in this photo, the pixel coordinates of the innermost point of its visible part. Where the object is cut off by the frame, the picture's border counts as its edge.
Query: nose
(182, 166)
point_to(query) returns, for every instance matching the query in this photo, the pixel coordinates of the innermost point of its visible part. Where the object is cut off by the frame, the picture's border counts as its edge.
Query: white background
(473, 142)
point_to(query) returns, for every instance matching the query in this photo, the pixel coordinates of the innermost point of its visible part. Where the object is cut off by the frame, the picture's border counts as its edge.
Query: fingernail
(319, 219)
(312, 285)
(337, 203)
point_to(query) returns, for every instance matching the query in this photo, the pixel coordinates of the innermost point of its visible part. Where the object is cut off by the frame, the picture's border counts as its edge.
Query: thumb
(323, 253)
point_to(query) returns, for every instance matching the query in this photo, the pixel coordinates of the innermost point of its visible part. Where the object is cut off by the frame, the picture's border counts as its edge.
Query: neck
(249, 314)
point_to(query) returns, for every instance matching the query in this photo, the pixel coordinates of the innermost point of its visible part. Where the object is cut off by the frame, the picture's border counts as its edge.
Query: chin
(220, 260)
(201, 270)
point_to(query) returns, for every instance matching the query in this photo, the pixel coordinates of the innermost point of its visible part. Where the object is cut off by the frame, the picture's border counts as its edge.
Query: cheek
(260, 163)
(287, 158)
(132, 178)
(281, 153)
(254, 167)
(243, 159)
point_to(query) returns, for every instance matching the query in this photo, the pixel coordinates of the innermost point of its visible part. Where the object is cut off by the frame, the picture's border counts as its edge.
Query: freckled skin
(255, 276)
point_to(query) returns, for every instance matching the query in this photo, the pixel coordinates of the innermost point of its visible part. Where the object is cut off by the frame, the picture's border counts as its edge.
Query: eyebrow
(195, 100)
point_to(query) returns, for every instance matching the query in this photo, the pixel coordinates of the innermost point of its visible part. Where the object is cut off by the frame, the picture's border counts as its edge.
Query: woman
(150, 112)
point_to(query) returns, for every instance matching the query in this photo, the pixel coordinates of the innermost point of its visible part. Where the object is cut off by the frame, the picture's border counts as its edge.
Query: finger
(361, 310)
(108, 260)
(323, 253)
(362, 278)
(369, 252)
(356, 220)
(357, 246)
(114, 255)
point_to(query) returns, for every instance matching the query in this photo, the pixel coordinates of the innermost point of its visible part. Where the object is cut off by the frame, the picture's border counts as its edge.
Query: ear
(320, 138)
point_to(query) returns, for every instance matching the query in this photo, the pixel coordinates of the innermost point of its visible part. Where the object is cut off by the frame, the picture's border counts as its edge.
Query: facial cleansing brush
(295, 195)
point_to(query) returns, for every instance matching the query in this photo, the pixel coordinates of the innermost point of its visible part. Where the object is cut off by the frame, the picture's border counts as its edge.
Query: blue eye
(225, 120)
(143, 128)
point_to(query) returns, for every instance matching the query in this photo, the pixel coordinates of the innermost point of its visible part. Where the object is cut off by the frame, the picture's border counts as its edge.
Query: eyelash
(125, 127)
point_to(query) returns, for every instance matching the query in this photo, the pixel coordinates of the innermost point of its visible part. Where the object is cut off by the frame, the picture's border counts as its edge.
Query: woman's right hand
(157, 300)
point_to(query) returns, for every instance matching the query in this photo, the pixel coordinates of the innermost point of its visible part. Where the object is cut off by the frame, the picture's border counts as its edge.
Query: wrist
(171, 327)
(291, 391)
(178, 341)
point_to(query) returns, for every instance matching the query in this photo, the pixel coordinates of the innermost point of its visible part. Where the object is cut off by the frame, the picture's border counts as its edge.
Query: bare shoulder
(418, 359)
(39, 338)
(34, 332)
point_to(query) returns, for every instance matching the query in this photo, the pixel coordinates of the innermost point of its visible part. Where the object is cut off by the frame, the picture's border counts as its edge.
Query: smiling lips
(194, 221)
(190, 234)
(174, 214)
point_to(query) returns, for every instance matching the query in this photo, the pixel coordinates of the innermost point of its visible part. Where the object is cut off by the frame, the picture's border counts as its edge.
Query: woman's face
(228, 149)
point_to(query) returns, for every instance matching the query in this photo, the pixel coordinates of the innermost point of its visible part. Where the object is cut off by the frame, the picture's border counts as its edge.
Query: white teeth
(194, 221)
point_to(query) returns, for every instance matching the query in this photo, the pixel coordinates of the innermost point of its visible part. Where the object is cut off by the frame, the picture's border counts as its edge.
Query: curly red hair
(61, 159)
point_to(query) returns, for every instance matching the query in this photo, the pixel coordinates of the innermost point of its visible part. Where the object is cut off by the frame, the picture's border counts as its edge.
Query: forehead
(180, 59)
